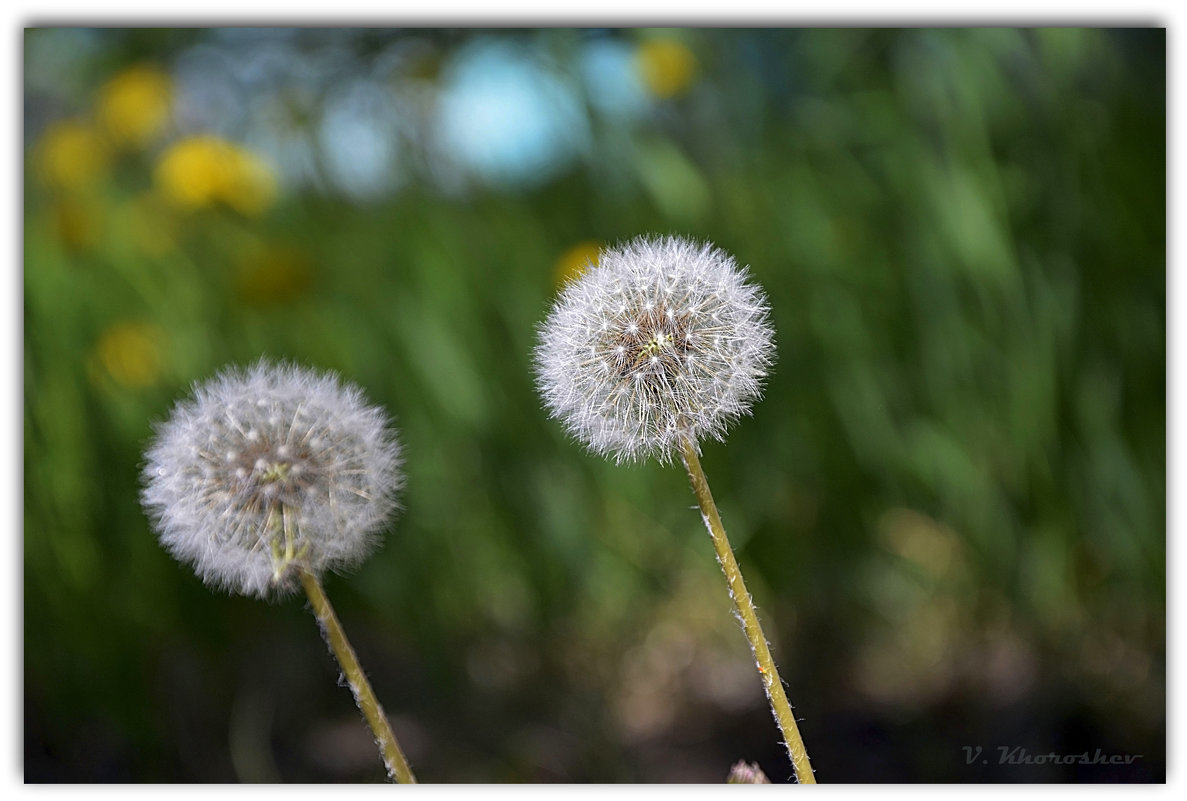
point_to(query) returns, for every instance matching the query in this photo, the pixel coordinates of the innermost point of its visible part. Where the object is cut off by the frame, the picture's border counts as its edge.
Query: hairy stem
(364, 696)
(749, 616)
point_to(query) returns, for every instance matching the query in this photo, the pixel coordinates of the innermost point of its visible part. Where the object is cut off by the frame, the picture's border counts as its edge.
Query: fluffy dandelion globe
(662, 343)
(269, 470)
(663, 340)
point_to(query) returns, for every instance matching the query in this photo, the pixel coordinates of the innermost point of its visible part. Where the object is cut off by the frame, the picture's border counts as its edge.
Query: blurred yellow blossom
(134, 106)
(204, 170)
(151, 223)
(273, 273)
(573, 262)
(130, 353)
(72, 154)
(77, 222)
(666, 65)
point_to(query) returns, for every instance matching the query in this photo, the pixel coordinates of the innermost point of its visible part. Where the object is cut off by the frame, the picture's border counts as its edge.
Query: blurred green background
(950, 504)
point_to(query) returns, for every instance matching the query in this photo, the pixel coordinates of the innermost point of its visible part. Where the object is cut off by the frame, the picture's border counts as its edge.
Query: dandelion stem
(364, 696)
(746, 611)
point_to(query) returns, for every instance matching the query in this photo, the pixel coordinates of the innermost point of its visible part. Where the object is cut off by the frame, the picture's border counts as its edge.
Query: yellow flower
(77, 222)
(72, 154)
(134, 106)
(573, 262)
(205, 170)
(151, 223)
(130, 353)
(273, 273)
(666, 65)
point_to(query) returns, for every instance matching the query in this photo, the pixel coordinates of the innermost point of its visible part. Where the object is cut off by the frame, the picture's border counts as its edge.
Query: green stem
(364, 696)
(749, 616)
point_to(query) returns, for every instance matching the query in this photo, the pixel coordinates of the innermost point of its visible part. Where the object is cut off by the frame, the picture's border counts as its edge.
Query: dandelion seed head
(267, 469)
(663, 339)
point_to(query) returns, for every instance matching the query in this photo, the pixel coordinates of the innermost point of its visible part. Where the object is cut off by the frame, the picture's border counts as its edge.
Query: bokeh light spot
(573, 263)
(130, 353)
(204, 170)
(134, 106)
(72, 154)
(666, 65)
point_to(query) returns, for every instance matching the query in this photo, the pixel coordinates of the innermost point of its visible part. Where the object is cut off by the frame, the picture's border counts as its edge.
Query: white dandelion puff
(663, 340)
(268, 470)
(662, 343)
